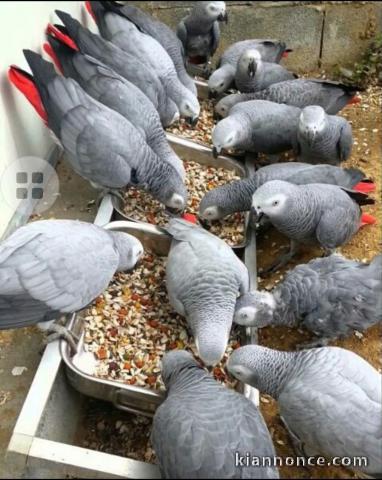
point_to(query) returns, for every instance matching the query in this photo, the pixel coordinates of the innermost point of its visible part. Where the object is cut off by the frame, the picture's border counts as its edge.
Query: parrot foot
(58, 330)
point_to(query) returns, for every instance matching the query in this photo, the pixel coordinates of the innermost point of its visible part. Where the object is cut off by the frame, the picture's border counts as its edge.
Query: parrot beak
(223, 17)
(212, 94)
(215, 116)
(251, 68)
(215, 152)
(192, 121)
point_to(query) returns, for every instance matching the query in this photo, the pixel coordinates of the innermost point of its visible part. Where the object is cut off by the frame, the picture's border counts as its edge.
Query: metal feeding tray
(190, 151)
(126, 397)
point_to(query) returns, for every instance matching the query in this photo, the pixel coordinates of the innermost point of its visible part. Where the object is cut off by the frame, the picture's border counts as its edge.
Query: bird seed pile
(141, 206)
(201, 133)
(132, 324)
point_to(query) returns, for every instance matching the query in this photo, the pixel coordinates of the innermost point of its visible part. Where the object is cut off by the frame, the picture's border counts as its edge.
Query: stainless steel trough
(126, 397)
(190, 151)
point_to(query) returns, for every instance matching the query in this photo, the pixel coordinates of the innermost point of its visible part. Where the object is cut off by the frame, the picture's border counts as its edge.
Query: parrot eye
(222, 84)
(275, 203)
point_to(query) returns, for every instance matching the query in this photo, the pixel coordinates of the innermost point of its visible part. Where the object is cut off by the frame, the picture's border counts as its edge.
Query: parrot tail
(367, 219)
(25, 82)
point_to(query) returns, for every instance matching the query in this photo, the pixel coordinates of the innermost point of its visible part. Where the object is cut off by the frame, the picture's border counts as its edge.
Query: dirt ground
(366, 120)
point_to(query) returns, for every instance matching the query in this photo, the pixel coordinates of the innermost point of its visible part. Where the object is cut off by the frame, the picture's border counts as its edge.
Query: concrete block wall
(321, 33)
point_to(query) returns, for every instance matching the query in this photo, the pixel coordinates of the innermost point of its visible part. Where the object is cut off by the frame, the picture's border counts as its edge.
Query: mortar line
(322, 38)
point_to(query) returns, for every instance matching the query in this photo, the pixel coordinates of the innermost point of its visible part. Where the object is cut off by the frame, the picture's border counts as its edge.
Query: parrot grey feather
(130, 39)
(92, 133)
(309, 214)
(237, 196)
(253, 74)
(201, 425)
(128, 66)
(119, 94)
(45, 265)
(199, 31)
(331, 96)
(204, 278)
(163, 34)
(224, 75)
(330, 296)
(258, 126)
(332, 385)
(323, 138)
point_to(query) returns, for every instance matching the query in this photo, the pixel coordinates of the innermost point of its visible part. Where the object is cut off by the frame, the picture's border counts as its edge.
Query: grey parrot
(199, 31)
(158, 30)
(202, 428)
(204, 278)
(301, 92)
(257, 126)
(323, 138)
(51, 268)
(253, 74)
(237, 196)
(128, 66)
(118, 29)
(330, 296)
(101, 145)
(224, 75)
(114, 91)
(329, 399)
(317, 214)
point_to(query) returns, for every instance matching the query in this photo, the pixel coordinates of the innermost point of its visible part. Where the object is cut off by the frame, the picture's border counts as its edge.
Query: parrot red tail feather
(367, 219)
(24, 82)
(354, 100)
(365, 187)
(60, 35)
(49, 50)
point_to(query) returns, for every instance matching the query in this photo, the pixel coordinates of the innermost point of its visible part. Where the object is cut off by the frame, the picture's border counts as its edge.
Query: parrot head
(273, 199)
(225, 135)
(216, 11)
(189, 108)
(214, 205)
(312, 121)
(250, 60)
(255, 309)
(175, 362)
(130, 250)
(218, 82)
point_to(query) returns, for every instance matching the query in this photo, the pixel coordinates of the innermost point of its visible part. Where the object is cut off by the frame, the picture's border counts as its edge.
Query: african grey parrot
(202, 428)
(199, 31)
(316, 213)
(224, 75)
(253, 74)
(257, 126)
(118, 29)
(51, 268)
(330, 296)
(101, 145)
(204, 278)
(114, 91)
(237, 196)
(323, 138)
(329, 399)
(128, 66)
(302, 92)
(158, 30)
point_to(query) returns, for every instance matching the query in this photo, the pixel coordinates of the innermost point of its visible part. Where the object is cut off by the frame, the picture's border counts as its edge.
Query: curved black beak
(252, 68)
(215, 153)
(216, 116)
(193, 121)
(212, 94)
(223, 17)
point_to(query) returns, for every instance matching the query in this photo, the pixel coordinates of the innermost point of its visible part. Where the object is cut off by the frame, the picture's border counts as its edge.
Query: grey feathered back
(51, 267)
(200, 426)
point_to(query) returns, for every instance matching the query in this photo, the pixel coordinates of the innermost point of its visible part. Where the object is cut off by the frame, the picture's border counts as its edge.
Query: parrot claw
(58, 330)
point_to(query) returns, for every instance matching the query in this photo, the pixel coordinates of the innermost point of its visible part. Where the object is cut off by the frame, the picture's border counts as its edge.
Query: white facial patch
(246, 316)
(211, 213)
(313, 118)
